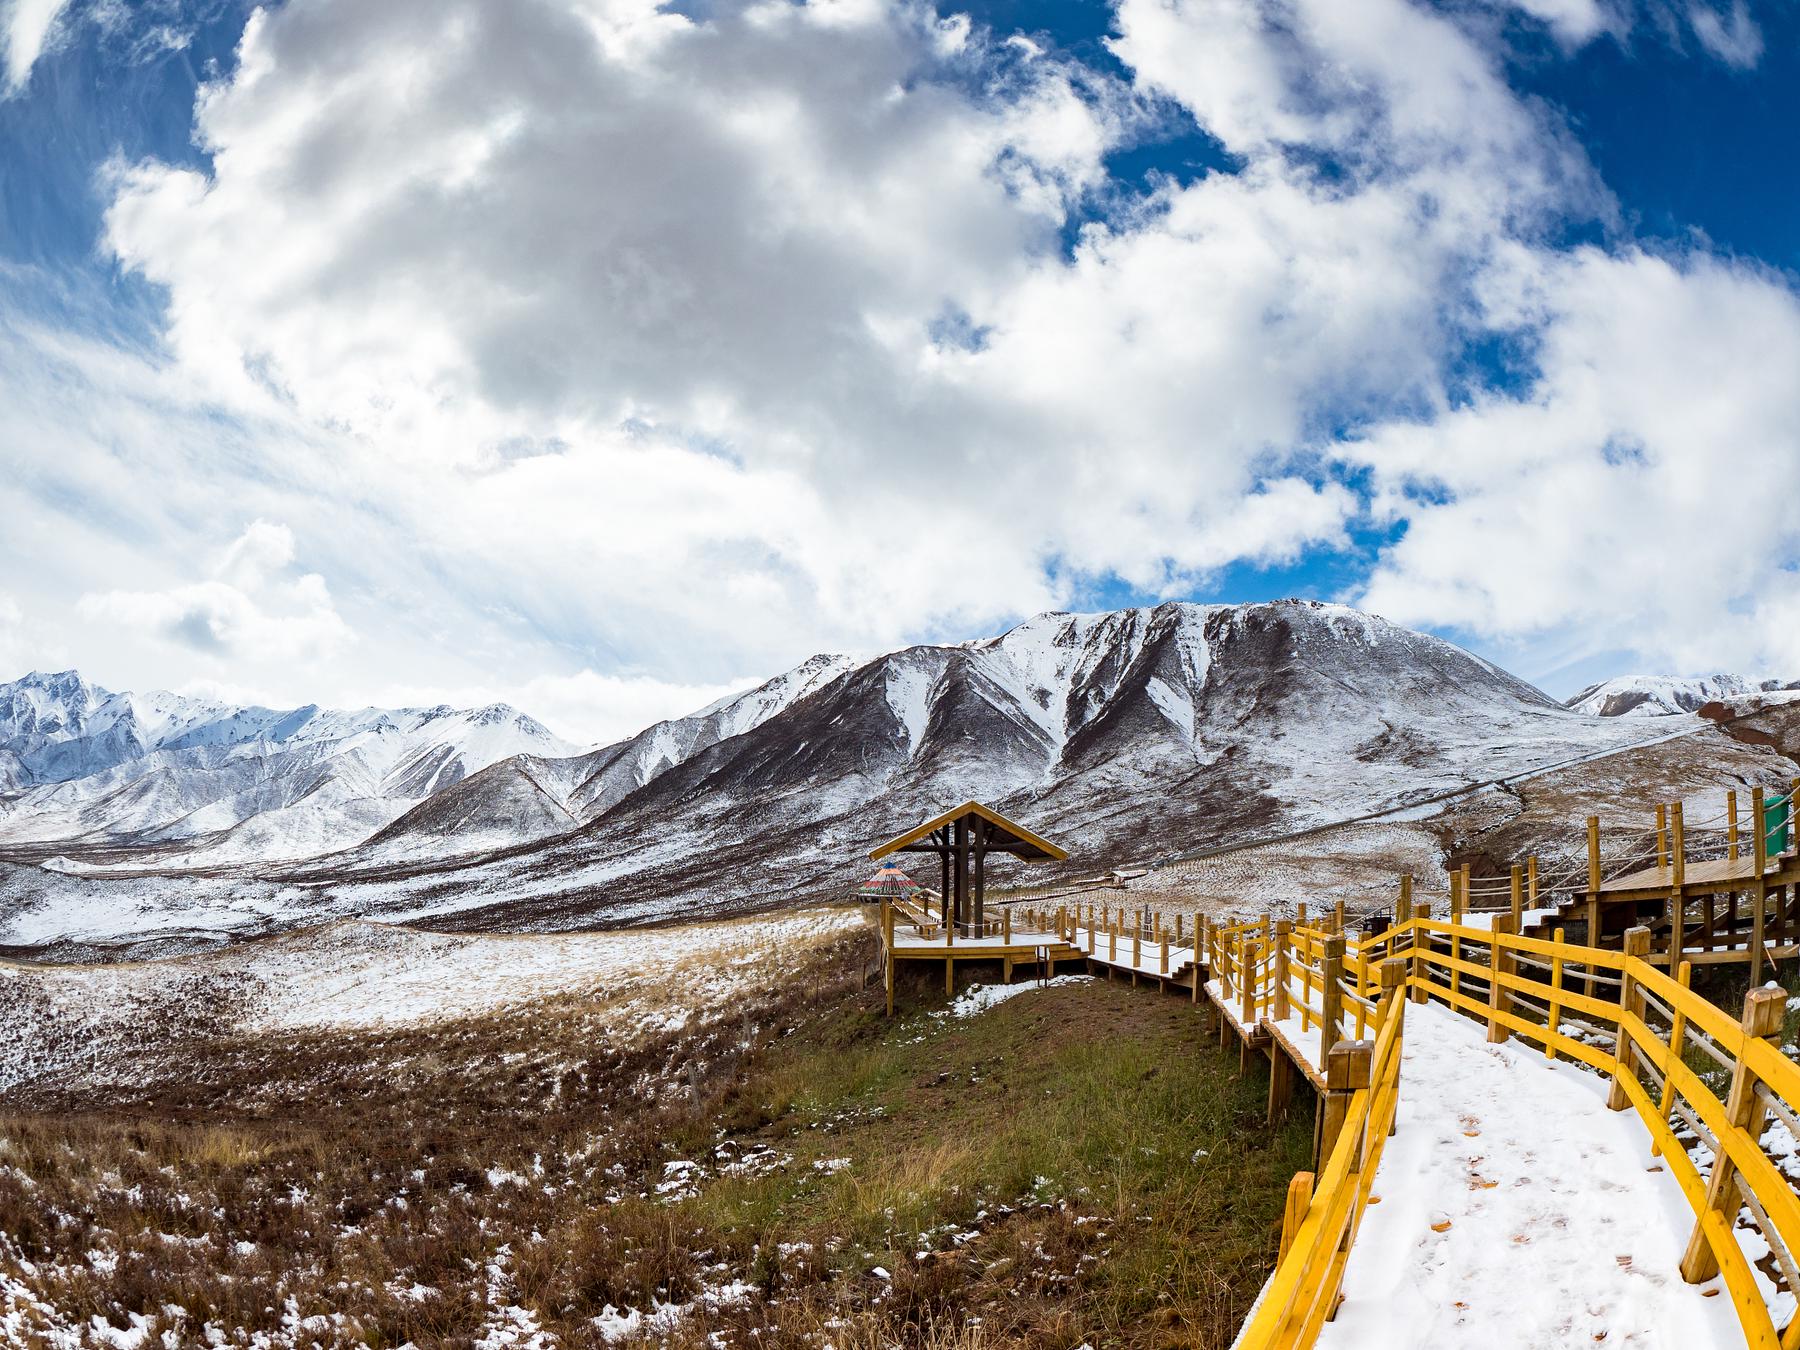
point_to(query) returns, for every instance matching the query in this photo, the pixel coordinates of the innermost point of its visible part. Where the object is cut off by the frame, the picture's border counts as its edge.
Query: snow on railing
(1612, 1011)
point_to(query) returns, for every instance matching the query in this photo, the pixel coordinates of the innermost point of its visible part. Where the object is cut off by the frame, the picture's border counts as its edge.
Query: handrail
(1478, 973)
(1303, 1292)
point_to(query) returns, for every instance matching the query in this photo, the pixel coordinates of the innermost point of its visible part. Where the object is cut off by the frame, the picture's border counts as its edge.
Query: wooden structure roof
(1002, 836)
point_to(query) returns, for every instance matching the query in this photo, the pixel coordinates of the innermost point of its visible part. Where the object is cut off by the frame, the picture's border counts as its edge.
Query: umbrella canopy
(891, 882)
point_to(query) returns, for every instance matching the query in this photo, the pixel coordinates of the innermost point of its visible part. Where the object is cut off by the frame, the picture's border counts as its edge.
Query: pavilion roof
(1004, 836)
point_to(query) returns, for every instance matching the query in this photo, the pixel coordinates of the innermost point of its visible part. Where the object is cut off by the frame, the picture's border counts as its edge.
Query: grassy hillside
(1074, 1165)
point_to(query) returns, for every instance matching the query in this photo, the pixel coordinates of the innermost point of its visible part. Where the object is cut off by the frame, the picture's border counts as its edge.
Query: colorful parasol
(890, 882)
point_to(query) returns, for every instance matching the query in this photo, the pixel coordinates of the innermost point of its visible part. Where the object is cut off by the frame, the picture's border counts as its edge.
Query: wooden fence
(1614, 1011)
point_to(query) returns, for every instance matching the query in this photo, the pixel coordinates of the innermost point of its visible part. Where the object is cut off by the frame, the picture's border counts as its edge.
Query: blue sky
(600, 356)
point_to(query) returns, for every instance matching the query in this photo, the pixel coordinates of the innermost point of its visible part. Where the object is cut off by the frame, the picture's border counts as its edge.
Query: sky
(604, 355)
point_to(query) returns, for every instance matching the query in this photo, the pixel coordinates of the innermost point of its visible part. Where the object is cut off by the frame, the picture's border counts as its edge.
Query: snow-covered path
(1516, 1210)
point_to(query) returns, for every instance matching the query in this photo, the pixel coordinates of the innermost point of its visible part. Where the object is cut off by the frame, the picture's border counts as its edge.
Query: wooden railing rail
(1549, 992)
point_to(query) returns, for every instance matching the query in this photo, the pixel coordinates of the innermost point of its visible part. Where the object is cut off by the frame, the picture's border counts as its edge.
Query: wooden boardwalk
(1514, 1146)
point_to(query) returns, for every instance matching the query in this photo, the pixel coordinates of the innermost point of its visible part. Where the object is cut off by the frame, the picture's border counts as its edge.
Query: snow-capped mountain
(1664, 695)
(527, 798)
(1126, 736)
(88, 768)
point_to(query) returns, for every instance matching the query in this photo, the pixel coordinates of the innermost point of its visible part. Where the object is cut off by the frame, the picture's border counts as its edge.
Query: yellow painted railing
(1303, 1292)
(1612, 1011)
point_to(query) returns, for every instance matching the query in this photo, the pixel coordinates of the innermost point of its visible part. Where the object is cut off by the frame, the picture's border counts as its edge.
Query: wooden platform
(1716, 874)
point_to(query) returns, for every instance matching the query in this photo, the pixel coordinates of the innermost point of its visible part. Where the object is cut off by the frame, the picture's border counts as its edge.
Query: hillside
(1664, 695)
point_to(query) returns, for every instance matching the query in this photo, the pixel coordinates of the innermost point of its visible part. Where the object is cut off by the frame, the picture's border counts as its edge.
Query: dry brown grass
(1076, 1165)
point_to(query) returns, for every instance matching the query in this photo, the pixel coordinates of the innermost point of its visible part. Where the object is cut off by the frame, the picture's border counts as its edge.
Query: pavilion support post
(961, 869)
(944, 859)
(980, 906)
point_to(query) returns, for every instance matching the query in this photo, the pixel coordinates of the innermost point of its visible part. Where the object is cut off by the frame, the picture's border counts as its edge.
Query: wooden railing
(1322, 1219)
(1612, 1011)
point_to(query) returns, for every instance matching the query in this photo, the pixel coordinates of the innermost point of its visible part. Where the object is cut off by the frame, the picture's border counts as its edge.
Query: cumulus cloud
(588, 336)
(245, 611)
(1635, 493)
(757, 280)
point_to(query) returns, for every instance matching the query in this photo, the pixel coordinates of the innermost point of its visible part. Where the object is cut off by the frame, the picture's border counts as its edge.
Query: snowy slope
(211, 784)
(1143, 733)
(1663, 695)
(1133, 735)
(530, 797)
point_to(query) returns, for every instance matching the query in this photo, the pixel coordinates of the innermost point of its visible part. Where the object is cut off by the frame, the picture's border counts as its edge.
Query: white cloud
(580, 336)
(27, 27)
(246, 613)
(709, 266)
(1637, 495)
(1730, 33)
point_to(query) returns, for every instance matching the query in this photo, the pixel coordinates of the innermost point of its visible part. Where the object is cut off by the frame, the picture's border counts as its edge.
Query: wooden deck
(1715, 874)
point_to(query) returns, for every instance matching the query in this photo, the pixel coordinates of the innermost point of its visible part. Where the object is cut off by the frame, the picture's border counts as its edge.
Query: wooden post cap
(1347, 1065)
(1763, 1010)
(1393, 972)
(1334, 948)
(1284, 926)
(1637, 942)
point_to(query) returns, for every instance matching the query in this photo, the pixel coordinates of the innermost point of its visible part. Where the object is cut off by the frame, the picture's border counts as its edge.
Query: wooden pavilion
(962, 838)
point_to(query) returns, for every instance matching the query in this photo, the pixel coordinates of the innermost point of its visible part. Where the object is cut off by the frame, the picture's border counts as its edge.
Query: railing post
(1677, 876)
(1518, 898)
(1759, 891)
(1331, 995)
(1731, 824)
(1500, 964)
(1164, 964)
(1421, 946)
(1284, 932)
(1299, 1200)
(1593, 843)
(1459, 901)
(1530, 884)
(1393, 990)
(1763, 1011)
(1403, 905)
(1347, 1067)
(1677, 1039)
(1662, 837)
(1631, 1004)
(1006, 926)
(1246, 985)
(1337, 917)
(1556, 984)
(1393, 1005)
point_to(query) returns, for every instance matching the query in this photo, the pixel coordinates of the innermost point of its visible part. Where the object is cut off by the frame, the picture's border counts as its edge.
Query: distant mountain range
(1136, 734)
(1664, 695)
